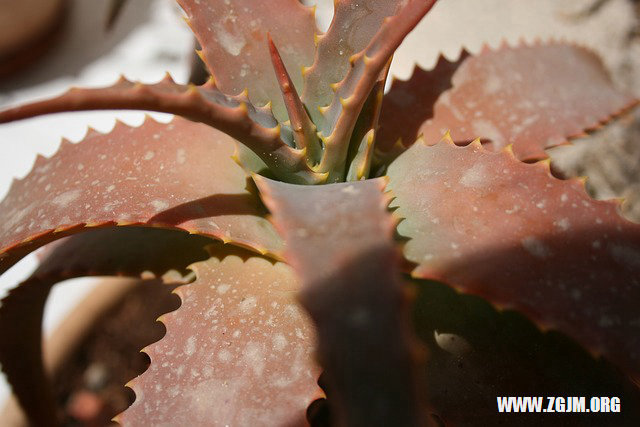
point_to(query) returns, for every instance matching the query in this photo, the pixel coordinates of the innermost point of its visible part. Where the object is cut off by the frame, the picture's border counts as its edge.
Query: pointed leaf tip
(233, 35)
(304, 131)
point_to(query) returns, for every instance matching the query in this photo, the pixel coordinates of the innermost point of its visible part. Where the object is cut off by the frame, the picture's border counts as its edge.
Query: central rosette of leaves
(304, 103)
(312, 127)
(336, 144)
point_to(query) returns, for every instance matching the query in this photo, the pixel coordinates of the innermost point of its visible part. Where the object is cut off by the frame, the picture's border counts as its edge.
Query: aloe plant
(392, 242)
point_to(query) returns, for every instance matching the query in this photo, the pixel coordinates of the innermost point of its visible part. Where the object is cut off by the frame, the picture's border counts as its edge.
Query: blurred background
(46, 46)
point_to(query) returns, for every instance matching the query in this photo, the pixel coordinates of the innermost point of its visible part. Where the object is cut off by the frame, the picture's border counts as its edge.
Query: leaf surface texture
(238, 351)
(507, 231)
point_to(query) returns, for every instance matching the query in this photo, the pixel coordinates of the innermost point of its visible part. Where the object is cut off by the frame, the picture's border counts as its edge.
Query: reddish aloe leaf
(234, 44)
(199, 103)
(508, 231)
(236, 116)
(353, 26)
(146, 175)
(553, 92)
(408, 104)
(237, 352)
(125, 251)
(304, 131)
(478, 352)
(352, 92)
(122, 251)
(351, 288)
(361, 150)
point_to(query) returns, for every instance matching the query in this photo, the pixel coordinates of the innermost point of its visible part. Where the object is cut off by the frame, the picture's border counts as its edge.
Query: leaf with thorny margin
(339, 241)
(408, 104)
(238, 351)
(363, 75)
(493, 226)
(235, 115)
(122, 251)
(353, 26)
(233, 36)
(176, 175)
(533, 97)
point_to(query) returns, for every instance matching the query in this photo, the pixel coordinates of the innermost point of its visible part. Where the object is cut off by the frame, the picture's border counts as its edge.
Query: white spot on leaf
(223, 288)
(232, 43)
(159, 205)
(535, 247)
(181, 156)
(64, 199)
(474, 177)
(190, 346)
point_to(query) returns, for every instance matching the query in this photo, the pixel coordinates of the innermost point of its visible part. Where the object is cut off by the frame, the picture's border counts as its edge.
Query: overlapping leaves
(484, 223)
(144, 175)
(533, 97)
(124, 251)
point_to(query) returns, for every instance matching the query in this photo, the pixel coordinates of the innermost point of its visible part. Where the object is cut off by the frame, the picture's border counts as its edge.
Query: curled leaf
(353, 26)
(353, 91)
(255, 127)
(122, 251)
(145, 175)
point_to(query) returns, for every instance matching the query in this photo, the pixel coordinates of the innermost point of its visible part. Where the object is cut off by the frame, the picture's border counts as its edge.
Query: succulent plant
(392, 242)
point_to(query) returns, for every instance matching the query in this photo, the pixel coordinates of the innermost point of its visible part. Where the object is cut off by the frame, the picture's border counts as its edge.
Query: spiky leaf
(353, 26)
(491, 225)
(125, 251)
(533, 97)
(235, 115)
(237, 352)
(146, 175)
(352, 92)
(351, 288)
(233, 36)
(408, 104)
